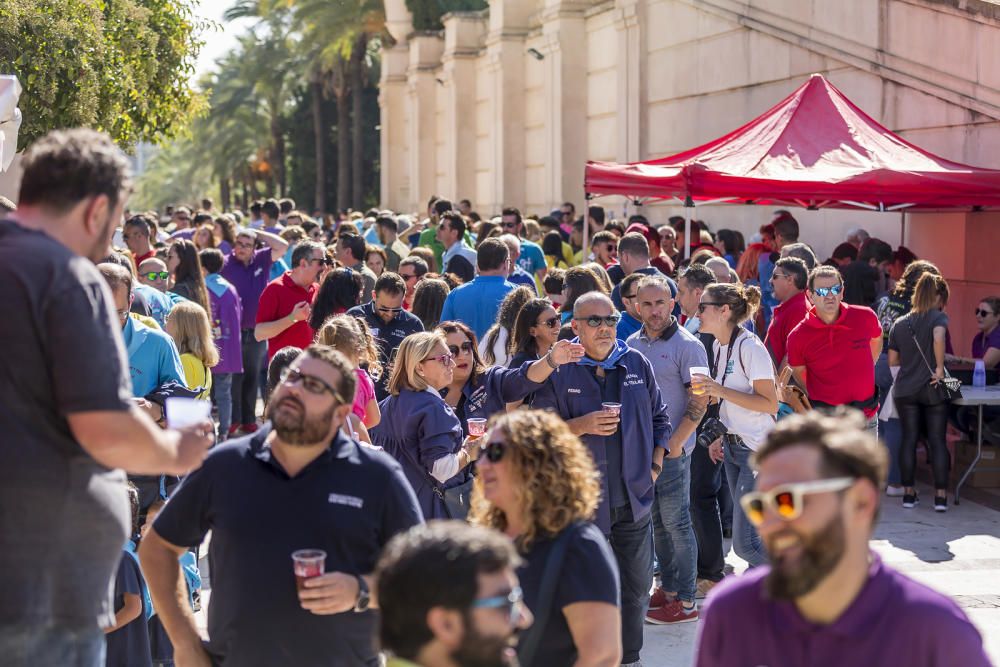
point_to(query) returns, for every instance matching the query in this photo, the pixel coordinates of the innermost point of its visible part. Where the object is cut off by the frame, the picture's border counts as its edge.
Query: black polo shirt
(388, 336)
(349, 502)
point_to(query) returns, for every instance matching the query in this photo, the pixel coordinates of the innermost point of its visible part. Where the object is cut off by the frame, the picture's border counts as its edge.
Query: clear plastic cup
(477, 426)
(184, 412)
(307, 563)
(612, 407)
(695, 385)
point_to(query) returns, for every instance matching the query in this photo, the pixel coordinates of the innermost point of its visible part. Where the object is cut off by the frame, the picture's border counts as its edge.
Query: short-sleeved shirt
(128, 646)
(364, 394)
(672, 355)
(153, 359)
(532, 258)
(837, 357)
(913, 372)
(981, 343)
(278, 300)
(893, 621)
(63, 516)
(748, 362)
(225, 319)
(249, 281)
(349, 502)
(476, 304)
(589, 574)
(786, 317)
(197, 375)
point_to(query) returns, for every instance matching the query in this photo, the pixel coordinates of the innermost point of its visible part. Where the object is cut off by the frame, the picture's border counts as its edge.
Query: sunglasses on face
(494, 451)
(156, 275)
(983, 313)
(509, 225)
(594, 321)
(705, 304)
(828, 291)
(311, 383)
(465, 348)
(323, 261)
(445, 359)
(512, 604)
(776, 275)
(407, 277)
(387, 309)
(551, 323)
(787, 500)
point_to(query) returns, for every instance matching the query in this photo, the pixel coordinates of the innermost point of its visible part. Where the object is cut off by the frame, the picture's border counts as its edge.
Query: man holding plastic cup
(628, 444)
(268, 498)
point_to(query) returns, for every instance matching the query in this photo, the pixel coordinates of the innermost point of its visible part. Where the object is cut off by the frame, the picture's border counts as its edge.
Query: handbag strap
(528, 645)
(921, 351)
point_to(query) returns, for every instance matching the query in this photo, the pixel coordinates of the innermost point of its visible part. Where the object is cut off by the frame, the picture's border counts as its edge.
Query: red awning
(814, 149)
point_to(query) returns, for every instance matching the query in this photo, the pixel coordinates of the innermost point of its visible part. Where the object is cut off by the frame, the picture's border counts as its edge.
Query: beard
(300, 428)
(821, 553)
(102, 244)
(478, 650)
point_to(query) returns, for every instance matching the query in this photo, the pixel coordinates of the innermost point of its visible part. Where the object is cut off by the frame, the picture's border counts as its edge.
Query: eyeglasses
(628, 296)
(982, 313)
(494, 451)
(323, 261)
(156, 275)
(827, 291)
(310, 383)
(446, 359)
(512, 603)
(244, 245)
(465, 347)
(595, 321)
(776, 275)
(705, 304)
(787, 500)
(122, 314)
(387, 309)
(551, 323)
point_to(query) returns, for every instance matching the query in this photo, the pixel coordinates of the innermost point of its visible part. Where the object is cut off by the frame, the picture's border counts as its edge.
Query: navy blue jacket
(387, 336)
(417, 429)
(573, 391)
(492, 391)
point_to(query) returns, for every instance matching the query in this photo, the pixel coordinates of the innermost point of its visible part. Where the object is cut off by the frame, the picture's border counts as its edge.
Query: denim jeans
(632, 542)
(245, 384)
(892, 437)
(746, 542)
(673, 535)
(222, 389)
(32, 645)
(706, 482)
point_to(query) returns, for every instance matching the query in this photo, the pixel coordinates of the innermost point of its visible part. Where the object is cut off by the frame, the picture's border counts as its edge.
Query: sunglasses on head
(982, 313)
(787, 500)
(157, 275)
(595, 321)
(551, 323)
(828, 291)
(465, 347)
(494, 451)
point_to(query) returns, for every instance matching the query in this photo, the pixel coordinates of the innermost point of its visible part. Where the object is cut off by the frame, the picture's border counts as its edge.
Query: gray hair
(247, 233)
(803, 252)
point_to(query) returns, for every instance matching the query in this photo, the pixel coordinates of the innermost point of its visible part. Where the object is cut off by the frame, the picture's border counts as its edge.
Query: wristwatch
(657, 468)
(364, 597)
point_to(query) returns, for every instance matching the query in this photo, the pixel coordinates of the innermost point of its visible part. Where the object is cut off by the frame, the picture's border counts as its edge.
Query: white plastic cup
(184, 412)
(698, 370)
(614, 408)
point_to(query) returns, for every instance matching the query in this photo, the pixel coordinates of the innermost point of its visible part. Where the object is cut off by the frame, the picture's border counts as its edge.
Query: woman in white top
(744, 386)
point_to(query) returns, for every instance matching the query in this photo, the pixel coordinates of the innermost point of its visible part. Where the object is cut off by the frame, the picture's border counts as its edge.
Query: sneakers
(940, 503)
(247, 429)
(894, 491)
(660, 598)
(674, 612)
(234, 430)
(910, 500)
(703, 587)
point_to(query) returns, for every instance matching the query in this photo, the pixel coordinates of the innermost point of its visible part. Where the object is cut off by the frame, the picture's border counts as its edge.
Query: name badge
(350, 501)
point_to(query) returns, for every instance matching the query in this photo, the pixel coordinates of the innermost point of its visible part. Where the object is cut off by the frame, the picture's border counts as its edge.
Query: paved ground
(957, 553)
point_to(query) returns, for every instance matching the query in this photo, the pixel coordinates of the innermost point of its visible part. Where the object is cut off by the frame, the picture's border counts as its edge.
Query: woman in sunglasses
(744, 388)
(535, 331)
(538, 484)
(477, 391)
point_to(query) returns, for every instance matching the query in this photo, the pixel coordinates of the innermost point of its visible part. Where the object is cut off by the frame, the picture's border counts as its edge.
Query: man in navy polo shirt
(303, 485)
(633, 256)
(388, 322)
(826, 599)
(628, 451)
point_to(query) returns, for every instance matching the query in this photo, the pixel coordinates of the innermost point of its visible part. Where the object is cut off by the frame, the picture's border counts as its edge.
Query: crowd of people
(588, 424)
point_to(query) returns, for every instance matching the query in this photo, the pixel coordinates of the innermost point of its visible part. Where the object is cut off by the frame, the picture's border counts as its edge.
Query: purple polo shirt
(894, 621)
(249, 281)
(981, 343)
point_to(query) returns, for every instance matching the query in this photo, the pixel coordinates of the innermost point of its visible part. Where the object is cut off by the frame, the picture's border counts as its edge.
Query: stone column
(631, 93)
(394, 191)
(425, 59)
(463, 32)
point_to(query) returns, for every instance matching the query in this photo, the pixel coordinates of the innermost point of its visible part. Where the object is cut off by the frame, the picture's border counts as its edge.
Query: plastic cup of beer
(184, 412)
(307, 563)
(696, 388)
(608, 406)
(477, 426)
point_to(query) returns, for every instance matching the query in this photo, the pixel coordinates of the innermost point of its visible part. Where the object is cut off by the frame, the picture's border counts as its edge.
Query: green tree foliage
(121, 66)
(427, 13)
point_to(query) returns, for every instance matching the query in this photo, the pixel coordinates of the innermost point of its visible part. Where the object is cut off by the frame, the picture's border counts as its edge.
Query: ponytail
(929, 288)
(743, 301)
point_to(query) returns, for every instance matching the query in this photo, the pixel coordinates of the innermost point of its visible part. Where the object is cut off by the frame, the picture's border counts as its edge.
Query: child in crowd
(351, 337)
(128, 639)
(188, 325)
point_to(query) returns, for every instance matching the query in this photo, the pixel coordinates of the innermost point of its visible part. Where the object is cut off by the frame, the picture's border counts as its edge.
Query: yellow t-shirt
(196, 375)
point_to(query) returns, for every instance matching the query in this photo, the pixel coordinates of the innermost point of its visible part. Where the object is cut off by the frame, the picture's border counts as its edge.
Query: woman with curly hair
(538, 484)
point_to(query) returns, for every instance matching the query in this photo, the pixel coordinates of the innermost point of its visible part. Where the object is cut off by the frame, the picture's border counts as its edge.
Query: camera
(711, 430)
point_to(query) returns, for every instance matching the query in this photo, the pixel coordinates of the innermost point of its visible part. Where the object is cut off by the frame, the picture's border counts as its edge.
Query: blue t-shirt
(159, 303)
(128, 646)
(152, 357)
(477, 303)
(532, 258)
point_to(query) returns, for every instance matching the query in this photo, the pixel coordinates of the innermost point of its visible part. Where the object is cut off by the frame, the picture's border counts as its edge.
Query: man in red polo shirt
(832, 352)
(286, 302)
(788, 284)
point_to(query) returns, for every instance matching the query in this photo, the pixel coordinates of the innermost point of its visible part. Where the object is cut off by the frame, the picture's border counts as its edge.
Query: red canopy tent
(814, 149)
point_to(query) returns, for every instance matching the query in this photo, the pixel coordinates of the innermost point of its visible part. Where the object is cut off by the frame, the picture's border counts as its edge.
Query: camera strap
(729, 354)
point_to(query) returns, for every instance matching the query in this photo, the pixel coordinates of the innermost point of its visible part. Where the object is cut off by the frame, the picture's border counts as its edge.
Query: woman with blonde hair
(188, 325)
(538, 484)
(422, 432)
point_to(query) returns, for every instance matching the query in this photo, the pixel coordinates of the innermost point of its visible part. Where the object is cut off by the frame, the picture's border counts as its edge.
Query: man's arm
(876, 344)
(693, 414)
(279, 246)
(268, 330)
(799, 375)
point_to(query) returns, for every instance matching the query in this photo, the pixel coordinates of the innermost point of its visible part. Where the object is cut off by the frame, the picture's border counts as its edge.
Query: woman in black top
(185, 266)
(917, 346)
(538, 484)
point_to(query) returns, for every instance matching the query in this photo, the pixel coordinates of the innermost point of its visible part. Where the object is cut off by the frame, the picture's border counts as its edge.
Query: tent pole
(902, 228)
(688, 207)
(586, 227)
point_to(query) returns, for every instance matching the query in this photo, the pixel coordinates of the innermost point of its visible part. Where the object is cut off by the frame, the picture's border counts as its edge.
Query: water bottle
(979, 374)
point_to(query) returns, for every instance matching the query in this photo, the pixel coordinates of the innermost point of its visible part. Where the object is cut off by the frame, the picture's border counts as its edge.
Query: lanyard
(729, 354)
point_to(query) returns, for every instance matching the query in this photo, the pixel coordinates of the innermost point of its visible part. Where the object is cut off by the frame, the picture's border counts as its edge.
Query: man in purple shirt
(248, 270)
(826, 599)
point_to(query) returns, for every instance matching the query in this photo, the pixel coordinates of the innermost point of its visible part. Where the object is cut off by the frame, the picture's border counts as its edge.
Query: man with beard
(826, 598)
(450, 597)
(303, 485)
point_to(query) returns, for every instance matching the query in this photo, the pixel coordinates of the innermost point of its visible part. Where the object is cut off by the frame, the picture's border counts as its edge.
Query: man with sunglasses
(466, 613)
(303, 485)
(826, 599)
(833, 350)
(286, 303)
(610, 399)
(412, 270)
(788, 284)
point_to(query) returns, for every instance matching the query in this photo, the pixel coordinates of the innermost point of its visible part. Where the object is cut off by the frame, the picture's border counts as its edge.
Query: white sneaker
(894, 491)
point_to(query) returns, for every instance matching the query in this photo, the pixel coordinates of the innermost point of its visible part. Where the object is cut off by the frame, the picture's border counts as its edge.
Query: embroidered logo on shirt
(257, 272)
(571, 390)
(350, 501)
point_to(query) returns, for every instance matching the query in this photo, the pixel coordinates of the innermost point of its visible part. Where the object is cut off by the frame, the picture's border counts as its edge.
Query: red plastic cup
(307, 563)
(477, 426)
